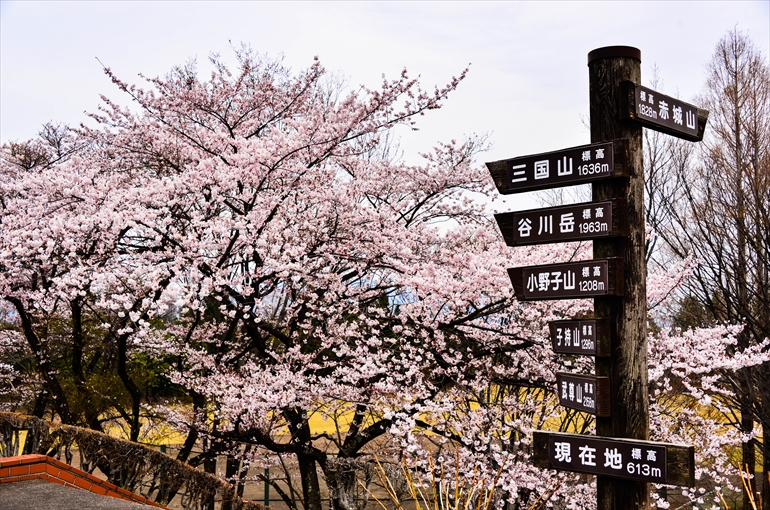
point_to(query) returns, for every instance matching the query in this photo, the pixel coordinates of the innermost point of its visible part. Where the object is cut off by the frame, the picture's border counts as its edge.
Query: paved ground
(42, 495)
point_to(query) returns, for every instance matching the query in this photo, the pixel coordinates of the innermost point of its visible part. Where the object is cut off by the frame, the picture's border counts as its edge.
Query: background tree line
(711, 202)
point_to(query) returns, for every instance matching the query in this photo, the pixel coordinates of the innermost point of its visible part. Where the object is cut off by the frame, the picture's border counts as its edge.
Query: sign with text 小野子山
(569, 280)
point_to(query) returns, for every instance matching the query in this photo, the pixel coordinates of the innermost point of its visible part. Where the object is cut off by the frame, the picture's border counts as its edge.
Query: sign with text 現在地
(566, 167)
(577, 222)
(644, 461)
(663, 113)
(569, 280)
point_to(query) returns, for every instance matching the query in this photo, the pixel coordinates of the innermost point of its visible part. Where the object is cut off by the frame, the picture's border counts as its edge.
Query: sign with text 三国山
(570, 280)
(587, 393)
(663, 113)
(565, 223)
(566, 167)
(588, 337)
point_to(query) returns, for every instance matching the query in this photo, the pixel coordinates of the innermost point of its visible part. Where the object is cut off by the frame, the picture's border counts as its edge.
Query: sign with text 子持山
(570, 280)
(587, 337)
(587, 393)
(565, 223)
(566, 167)
(663, 113)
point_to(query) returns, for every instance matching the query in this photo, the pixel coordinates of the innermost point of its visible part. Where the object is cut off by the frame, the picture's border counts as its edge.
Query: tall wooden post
(627, 366)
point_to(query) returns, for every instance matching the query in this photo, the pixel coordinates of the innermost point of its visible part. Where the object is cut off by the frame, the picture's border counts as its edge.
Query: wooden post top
(614, 52)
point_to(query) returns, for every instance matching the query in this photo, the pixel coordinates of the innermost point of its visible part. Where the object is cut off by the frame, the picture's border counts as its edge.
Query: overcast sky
(528, 80)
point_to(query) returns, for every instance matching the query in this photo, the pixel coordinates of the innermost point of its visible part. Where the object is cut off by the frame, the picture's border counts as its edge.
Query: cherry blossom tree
(689, 399)
(254, 229)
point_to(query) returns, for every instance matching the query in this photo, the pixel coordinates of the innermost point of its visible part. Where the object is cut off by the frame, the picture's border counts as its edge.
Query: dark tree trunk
(54, 390)
(209, 466)
(749, 456)
(308, 472)
(128, 383)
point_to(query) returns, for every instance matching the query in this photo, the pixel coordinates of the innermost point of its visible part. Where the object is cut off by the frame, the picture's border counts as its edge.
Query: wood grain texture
(627, 367)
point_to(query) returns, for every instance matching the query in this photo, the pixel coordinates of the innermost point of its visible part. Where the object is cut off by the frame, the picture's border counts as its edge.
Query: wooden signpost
(621, 455)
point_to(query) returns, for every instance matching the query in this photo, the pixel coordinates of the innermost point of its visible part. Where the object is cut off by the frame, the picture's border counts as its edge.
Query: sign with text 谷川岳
(564, 223)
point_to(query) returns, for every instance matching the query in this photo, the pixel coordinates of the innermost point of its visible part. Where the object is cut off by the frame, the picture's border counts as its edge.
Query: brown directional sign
(577, 222)
(646, 461)
(587, 393)
(590, 337)
(662, 113)
(570, 280)
(566, 167)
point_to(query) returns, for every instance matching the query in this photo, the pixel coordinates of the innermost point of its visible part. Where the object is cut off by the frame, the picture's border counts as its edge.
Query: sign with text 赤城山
(663, 113)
